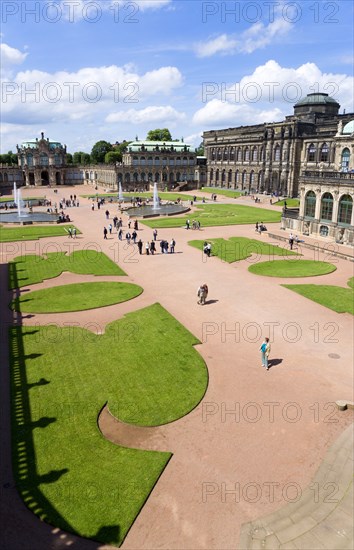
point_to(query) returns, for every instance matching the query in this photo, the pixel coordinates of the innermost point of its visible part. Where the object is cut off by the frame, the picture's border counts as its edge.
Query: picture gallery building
(309, 155)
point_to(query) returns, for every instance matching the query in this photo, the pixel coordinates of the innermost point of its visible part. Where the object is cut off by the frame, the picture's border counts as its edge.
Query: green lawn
(165, 196)
(75, 297)
(225, 192)
(10, 198)
(26, 233)
(32, 269)
(291, 203)
(292, 268)
(337, 298)
(240, 248)
(211, 215)
(145, 367)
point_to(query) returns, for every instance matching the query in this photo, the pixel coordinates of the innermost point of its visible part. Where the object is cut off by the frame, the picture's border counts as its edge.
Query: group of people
(294, 240)
(260, 227)
(67, 203)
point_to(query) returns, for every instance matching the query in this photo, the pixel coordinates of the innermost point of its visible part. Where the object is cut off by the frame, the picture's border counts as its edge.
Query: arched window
(311, 153)
(30, 160)
(229, 179)
(277, 153)
(232, 153)
(251, 179)
(254, 154)
(327, 207)
(157, 161)
(225, 154)
(150, 162)
(142, 161)
(345, 209)
(213, 154)
(324, 153)
(164, 161)
(135, 161)
(219, 154)
(211, 175)
(236, 176)
(345, 160)
(223, 176)
(247, 154)
(244, 178)
(239, 154)
(310, 204)
(57, 159)
(217, 176)
(261, 154)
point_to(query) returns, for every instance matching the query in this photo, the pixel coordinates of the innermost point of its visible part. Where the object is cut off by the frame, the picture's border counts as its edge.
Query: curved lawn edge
(336, 298)
(75, 297)
(294, 268)
(31, 269)
(146, 382)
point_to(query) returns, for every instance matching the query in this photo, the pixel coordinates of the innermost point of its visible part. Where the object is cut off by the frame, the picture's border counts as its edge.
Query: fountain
(120, 193)
(156, 209)
(20, 211)
(155, 198)
(24, 217)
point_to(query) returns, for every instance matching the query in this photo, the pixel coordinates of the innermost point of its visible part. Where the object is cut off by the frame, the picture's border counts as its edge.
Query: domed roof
(349, 128)
(317, 99)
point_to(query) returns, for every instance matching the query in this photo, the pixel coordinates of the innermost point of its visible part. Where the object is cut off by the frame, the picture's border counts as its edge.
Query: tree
(99, 150)
(85, 158)
(69, 158)
(112, 157)
(200, 150)
(9, 158)
(159, 135)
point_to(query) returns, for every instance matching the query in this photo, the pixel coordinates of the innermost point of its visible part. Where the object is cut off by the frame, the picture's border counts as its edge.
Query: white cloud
(269, 94)
(255, 37)
(37, 96)
(163, 114)
(11, 56)
(217, 112)
(258, 36)
(219, 44)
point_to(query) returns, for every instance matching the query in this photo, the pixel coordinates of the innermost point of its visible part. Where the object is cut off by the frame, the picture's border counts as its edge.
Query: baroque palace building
(43, 162)
(309, 155)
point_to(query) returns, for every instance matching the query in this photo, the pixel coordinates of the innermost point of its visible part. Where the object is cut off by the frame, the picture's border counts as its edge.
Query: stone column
(318, 203)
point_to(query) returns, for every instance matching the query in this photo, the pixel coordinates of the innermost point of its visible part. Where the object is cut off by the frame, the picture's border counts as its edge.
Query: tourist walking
(155, 234)
(105, 232)
(265, 351)
(291, 241)
(172, 246)
(202, 293)
(107, 214)
(74, 233)
(152, 247)
(120, 234)
(147, 248)
(140, 246)
(110, 227)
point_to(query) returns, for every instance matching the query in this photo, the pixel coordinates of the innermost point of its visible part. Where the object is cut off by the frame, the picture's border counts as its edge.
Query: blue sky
(113, 69)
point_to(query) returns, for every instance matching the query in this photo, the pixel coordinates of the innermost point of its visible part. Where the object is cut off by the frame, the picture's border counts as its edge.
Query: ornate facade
(42, 162)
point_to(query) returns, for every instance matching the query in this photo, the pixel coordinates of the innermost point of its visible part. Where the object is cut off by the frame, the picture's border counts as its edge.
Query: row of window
(321, 154)
(239, 177)
(345, 207)
(245, 154)
(156, 161)
(156, 176)
(43, 160)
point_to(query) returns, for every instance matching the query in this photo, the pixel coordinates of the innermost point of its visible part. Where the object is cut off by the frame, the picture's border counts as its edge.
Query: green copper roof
(317, 99)
(349, 128)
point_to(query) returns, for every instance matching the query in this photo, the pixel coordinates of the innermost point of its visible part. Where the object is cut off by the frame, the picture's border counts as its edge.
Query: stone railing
(345, 176)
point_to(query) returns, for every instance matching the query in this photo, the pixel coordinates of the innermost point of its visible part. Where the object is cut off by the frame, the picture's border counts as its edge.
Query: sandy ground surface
(255, 431)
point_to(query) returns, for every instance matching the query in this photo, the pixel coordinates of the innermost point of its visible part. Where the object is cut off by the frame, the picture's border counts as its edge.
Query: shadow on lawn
(27, 478)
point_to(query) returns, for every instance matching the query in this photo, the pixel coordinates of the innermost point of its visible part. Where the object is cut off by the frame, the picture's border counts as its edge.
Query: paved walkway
(252, 426)
(322, 518)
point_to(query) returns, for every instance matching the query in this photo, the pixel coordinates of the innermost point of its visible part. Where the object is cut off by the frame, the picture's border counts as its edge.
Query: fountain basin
(151, 212)
(36, 217)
